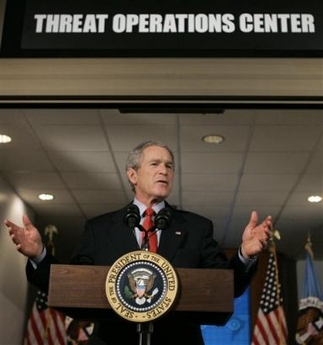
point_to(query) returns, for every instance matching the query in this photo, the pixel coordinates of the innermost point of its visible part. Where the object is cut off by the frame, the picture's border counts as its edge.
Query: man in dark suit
(187, 243)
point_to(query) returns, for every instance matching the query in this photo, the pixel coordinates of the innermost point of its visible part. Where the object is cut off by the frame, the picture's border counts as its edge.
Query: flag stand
(145, 330)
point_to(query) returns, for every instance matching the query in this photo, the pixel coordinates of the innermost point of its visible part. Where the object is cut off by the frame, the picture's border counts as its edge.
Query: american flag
(270, 328)
(46, 326)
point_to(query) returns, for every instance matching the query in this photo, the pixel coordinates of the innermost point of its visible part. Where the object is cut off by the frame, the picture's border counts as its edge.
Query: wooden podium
(204, 295)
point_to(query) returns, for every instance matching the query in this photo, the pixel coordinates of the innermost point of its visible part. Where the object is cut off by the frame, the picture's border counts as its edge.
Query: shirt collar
(142, 207)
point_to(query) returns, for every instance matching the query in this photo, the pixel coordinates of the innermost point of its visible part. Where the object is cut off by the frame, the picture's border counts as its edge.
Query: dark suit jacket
(187, 243)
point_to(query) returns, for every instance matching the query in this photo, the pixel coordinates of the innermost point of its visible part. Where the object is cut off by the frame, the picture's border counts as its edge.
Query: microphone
(163, 218)
(132, 216)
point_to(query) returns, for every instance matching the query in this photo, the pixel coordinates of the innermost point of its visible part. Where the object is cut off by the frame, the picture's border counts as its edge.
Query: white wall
(13, 282)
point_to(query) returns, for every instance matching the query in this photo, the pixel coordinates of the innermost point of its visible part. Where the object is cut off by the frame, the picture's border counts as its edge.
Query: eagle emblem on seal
(141, 286)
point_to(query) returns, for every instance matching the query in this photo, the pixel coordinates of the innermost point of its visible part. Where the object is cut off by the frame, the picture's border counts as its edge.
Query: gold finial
(276, 234)
(49, 231)
(308, 245)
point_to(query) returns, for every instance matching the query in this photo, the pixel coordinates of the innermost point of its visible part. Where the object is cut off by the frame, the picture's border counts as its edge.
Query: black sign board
(176, 28)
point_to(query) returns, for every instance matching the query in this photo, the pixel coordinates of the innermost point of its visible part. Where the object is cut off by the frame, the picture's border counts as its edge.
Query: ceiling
(270, 161)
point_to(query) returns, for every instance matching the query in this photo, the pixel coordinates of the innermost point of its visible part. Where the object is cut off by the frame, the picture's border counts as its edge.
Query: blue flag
(310, 313)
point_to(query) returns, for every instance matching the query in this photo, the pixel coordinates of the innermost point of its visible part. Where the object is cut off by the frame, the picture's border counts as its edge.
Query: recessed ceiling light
(213, 139)
(4, 139)
(314, 198)
(46, 197)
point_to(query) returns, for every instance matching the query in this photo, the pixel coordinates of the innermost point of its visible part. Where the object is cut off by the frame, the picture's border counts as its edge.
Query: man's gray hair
(134, 156)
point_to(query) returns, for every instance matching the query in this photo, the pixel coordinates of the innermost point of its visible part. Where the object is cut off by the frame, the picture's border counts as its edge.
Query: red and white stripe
(45, 327)
(270, 329)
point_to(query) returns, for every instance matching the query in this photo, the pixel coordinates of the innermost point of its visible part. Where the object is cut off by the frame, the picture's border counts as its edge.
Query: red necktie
(150, 235)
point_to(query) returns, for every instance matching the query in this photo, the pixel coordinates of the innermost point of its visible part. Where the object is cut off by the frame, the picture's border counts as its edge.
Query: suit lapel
(121, 234)
(171, 238)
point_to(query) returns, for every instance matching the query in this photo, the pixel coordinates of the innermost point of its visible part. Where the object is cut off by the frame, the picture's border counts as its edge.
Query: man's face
(154, 179)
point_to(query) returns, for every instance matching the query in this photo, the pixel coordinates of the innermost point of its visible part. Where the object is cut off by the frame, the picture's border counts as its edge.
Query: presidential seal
(141, 286)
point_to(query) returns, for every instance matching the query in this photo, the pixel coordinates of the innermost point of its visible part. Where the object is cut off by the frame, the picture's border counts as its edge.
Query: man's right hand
(27, 238)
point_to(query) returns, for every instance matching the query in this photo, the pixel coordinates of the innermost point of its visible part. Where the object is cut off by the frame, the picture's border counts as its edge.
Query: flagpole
(49, 231)
(308, 246)
(281, 318)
